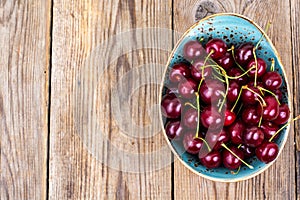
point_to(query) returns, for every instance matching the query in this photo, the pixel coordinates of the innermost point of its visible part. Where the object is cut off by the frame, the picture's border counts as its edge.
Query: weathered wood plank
(278, 182)
(295, 5)
(24, 67)
(91, 149)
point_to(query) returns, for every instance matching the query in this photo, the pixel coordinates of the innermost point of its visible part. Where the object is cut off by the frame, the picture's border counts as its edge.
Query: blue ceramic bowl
(233, 29)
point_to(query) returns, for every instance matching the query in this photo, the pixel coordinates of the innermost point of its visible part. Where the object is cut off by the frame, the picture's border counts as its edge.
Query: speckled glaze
(233, 29)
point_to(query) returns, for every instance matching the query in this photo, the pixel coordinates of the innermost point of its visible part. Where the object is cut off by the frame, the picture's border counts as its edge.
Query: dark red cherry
(251, 116)
(211, 91)
(174, 129)
(226, 61)
(271, 110)
(217, 46)
(229, 117)
(253, 136)
(171, 106)
(267, 152)
(211, 118)
(179, 72)
(249, 97)
(233, 91)
(215, 139)
(212, 160)
(261, 67)
(187, 88)
(190, 118)
(269, 129)
(230, 161)
(235, 132)
(196, 70)
(248, 151)
(272, 80)
(192, 50)
(235, 72)
(244, 53)
(191, 144)
(284, 114)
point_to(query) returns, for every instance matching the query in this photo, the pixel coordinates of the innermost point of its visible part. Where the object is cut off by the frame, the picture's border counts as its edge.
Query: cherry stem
(236, 101)
(236, 77)
(190, 104)
(250, 166)
(256, 68)
(206, 144)
(239, 146)
(202, 79)
(295, 119)
(201, 40)
(263, 101)
(234, 173)
(198, 112)
(261, 115)
(217, 77)
(262, 36)
(261, 88)
(207, 57)
(232, 52)
(240, 108)
(272, 65)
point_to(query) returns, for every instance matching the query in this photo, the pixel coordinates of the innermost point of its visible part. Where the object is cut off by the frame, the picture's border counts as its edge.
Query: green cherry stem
(272, 68)
(190, 104)
(207, 57)
(236, 101)
(256, 68)
(295, 119)
(232, 52)
(201, 81)
(263, 89)
(206, 144)
(262, 36)
(262, 100)
(235, 173)
(198, 112)
(236, 77)
(239, 110)
(250, 166)
(261, 115)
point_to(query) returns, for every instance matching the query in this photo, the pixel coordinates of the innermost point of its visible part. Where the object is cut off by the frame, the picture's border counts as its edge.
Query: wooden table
(60, 62)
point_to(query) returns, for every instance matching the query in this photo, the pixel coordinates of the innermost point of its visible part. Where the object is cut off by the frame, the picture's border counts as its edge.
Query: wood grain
(24, 67)
(278, 182)
(82, 166)
(295, 5)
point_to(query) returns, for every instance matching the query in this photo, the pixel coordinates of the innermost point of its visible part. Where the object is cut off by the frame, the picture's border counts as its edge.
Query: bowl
(234, 29)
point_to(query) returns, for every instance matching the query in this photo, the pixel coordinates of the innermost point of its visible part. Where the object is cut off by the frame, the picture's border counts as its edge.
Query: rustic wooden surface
(55, 100)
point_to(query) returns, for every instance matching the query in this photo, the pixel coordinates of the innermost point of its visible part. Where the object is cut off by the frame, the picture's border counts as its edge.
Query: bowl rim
(288, 91)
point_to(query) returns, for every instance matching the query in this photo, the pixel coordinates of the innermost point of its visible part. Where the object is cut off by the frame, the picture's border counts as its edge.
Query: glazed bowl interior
(233, 29)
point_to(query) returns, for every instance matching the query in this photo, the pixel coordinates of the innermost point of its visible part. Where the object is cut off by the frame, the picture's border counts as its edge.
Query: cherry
(248, 151)
(211, 91)
(211, 118)
(216, 47)
(172, 90)
(174, 129)
(171, 106)
(284, 114)
(197, 68)
(212, 160)
(267, 152)
(215, 139)
(235, 72)
(191, 144)
(233, 91)
(261, 67)
(226, 61)
(230, 161)
(187, 88)
(235, 132)
(192, 50)
(271, 110)
(229, 117)
(278, 94)
(269, 129)
(250, 116)
(272, 80)
(244, 53)
(179, 72)
(250, 97)
(253, 136)
(190, 118)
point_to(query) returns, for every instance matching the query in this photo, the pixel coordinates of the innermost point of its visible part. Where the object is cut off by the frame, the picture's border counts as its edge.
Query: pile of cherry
(224, 104)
